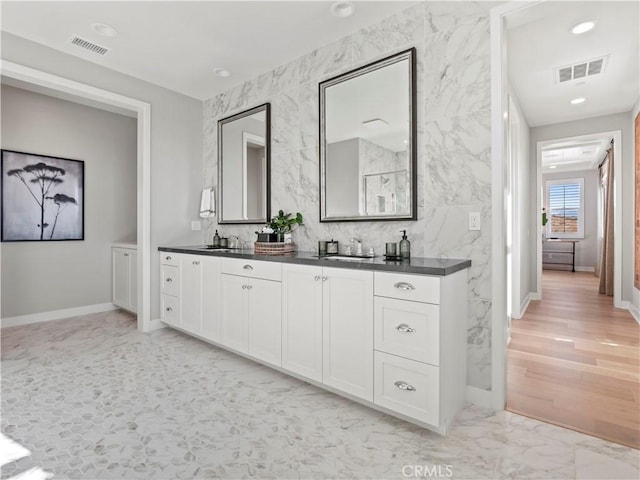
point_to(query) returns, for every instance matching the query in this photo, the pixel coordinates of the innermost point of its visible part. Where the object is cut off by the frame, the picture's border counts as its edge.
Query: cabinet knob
(195, 262)
(168, 257)
(404, 286)
(248, 267)
(169, 309)
(404, 386)
(404, 328)
(249, 287)
(244, 287)
(324, 278)
(169, 280)
(316, 278)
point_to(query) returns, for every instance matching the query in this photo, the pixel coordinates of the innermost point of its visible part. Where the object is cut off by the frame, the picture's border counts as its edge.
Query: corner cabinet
(392, 341)
(124, 272)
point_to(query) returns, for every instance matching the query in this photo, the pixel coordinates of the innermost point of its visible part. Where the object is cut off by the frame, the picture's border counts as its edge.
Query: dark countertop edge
(307, 258)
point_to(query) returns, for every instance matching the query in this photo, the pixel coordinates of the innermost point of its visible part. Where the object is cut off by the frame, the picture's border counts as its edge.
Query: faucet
(358, 243)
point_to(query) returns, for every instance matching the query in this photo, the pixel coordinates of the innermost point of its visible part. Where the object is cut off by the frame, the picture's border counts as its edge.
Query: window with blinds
(565, 208)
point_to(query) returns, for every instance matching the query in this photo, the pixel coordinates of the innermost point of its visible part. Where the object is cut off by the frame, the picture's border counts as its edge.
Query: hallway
(573, 361)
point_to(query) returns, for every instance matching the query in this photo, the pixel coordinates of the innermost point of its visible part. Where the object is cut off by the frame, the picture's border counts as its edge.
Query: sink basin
(216, 249)
(347, 258)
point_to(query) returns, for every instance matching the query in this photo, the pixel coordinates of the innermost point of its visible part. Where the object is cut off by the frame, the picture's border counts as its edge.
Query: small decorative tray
(393, 258)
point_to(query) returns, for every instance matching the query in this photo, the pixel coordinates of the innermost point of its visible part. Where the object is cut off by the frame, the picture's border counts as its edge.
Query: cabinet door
(302, 320)
(211, 298)
(234, 315)
(133, 281)
(347, 322)
(120, 287)
(265, 320)
(191, 293)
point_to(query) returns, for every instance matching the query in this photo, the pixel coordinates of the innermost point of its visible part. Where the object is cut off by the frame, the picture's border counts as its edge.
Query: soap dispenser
(405, 245)
(216, 240)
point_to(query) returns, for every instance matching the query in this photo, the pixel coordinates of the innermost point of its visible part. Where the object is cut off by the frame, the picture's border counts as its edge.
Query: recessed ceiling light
(583, 27)
(342, 9)
(577, 101)
(104, 29)
(221, 72)
(553, 166)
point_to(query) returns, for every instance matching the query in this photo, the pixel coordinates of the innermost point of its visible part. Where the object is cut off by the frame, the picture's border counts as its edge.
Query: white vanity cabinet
(190, 293)
(302, 320)
(251, 308)
(420, 346)
(347, 331)
(124, 287)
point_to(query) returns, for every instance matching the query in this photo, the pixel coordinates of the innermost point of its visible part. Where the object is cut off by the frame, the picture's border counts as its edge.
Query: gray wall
(176, 143)
(43, 276)
(606, 123)
(587, 248)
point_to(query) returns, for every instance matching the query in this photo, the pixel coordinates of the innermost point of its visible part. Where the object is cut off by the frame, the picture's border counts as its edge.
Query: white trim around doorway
(142, 111)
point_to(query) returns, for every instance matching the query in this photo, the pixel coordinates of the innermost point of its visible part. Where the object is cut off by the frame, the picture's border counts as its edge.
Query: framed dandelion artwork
(42, 198)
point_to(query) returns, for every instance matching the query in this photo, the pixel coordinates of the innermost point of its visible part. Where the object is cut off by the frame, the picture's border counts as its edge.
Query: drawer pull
(195, 262)
(248, 267)
(169, 280)
(404, 386)
(404, 286)
(404, 328)
(126, 254)
(169, 309)
(316, 278)
(167, 257)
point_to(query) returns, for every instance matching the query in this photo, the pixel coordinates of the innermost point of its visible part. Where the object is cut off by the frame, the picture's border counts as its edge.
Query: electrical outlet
(196, 225)
(474, 220)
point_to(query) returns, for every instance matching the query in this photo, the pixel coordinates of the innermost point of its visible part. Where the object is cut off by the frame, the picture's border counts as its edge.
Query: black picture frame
(42, 197)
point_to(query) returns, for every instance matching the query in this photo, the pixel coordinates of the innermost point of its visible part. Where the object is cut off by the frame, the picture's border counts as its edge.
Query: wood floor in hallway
(574, 361)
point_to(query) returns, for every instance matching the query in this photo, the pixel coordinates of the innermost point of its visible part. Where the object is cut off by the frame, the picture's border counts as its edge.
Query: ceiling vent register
(580, 70)
(87, 45)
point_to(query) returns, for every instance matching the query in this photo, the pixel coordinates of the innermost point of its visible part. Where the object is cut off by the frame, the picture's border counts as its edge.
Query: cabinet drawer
(418, 288)
(407, 387)
(168, 258)
(407, 329)
(170, 278)
(170, 309)
(252, 268)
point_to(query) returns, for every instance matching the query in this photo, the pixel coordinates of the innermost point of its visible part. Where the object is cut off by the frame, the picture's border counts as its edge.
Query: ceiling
(539, 40)
(178, 44)
(570, 155)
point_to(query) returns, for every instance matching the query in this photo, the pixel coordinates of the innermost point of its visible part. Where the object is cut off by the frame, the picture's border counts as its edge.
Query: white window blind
(565, 208)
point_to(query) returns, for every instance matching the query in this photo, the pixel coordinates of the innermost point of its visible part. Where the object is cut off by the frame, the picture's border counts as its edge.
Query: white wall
(586, 248)
(176, 142)
(44, 276)
(521, 164)
(606, 123)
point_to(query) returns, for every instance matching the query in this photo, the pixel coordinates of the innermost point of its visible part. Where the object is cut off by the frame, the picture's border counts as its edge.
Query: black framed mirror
(244, 166)
(368, 142)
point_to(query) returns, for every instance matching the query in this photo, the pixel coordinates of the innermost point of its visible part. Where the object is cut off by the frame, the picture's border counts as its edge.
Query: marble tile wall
(454, 140)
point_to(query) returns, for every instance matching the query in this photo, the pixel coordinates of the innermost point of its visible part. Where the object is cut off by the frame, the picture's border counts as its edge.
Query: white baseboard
(155, 324)
(523, 307)
(635, 312)
(56, 314)
(479, 396)
(535, 296)
(585, 269)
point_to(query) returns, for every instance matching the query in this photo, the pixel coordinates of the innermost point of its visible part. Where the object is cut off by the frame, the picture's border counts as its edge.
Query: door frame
(99, 98)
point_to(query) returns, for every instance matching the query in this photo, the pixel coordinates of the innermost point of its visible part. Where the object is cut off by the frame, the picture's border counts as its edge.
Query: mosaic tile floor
(93, 398)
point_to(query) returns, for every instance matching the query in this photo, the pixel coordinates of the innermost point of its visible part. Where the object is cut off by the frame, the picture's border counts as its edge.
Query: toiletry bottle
(216, 240)
(405, 245)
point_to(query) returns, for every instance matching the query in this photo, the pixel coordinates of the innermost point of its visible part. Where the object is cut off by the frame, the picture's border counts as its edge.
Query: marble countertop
(420, 265)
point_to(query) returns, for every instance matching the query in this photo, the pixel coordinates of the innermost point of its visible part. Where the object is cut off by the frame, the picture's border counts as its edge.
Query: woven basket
(274, 248)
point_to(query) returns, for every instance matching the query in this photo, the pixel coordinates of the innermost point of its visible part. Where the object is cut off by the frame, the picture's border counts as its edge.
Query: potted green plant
(284, 223)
